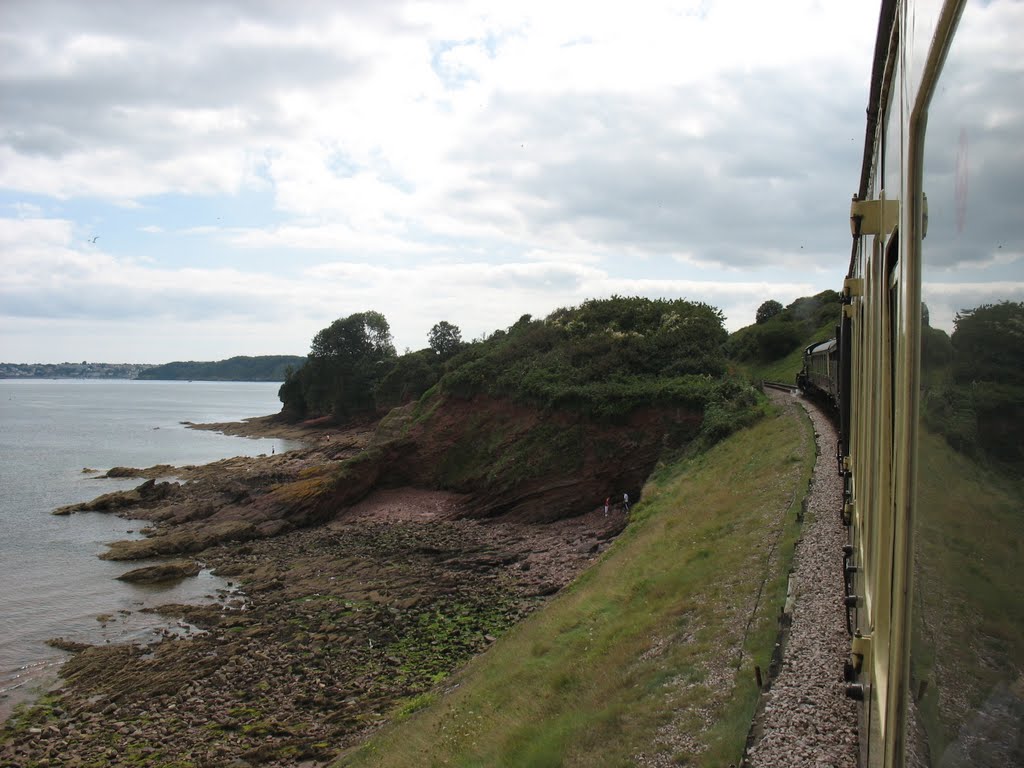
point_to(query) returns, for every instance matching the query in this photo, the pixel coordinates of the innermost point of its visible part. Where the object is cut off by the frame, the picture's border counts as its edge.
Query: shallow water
(52, 584)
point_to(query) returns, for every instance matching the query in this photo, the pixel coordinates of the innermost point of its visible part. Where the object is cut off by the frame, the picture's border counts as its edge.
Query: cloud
(53, 281)
(462, 160)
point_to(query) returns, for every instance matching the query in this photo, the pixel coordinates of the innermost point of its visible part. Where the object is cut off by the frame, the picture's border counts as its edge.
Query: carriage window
(967, 654)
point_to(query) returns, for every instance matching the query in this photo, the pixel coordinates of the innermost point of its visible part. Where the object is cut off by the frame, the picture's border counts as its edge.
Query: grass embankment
(651, 652)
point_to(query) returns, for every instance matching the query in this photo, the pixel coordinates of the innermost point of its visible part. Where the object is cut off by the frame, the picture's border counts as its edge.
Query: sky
(197, 180)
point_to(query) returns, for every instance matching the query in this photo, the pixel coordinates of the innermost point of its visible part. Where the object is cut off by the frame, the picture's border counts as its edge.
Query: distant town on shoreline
(260, 368)
(81, 370)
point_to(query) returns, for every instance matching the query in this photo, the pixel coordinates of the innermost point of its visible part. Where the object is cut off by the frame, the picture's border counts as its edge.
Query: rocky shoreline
(345, 616)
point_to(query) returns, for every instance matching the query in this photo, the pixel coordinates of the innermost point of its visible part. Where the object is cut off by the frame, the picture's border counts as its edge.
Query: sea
(54, 436)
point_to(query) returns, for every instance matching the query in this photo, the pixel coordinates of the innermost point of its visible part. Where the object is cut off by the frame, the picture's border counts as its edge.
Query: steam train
(925, 374)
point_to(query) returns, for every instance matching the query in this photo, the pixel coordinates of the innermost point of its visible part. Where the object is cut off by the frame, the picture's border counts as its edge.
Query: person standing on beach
(625, 503)
(607, 504)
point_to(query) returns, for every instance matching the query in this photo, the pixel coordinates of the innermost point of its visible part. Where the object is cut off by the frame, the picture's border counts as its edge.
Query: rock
(150, 491)
(72, 646)
(176, 569)
(155, 471)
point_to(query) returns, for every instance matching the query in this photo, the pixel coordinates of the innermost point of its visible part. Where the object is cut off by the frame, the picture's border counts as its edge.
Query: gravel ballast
(806, 719)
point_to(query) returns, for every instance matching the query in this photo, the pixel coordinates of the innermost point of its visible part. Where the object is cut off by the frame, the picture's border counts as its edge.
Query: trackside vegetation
(651, 653)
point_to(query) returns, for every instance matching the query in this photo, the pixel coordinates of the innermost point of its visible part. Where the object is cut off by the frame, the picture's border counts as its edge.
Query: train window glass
(891, 143)
(966, 690)
(892, 279)
(881, 462)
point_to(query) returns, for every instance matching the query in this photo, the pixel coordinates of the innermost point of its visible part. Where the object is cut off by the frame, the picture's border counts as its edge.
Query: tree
(445, 339)
(349, 339)
(767, 311)
(346, 360)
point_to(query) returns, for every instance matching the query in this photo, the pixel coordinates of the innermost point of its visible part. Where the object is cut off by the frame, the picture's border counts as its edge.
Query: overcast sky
(196, 180)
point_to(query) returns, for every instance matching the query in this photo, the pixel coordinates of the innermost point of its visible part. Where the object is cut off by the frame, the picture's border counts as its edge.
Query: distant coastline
(81, 370)
(241, 368)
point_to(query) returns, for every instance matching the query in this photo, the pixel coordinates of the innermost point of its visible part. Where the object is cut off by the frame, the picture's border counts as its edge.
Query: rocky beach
(347, 606)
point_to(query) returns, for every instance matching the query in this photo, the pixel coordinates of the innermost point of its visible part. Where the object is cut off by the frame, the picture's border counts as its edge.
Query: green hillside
(261, 368)
(773, 349)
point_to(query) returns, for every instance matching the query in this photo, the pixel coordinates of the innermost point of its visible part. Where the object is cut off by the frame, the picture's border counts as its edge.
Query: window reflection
(967, 655)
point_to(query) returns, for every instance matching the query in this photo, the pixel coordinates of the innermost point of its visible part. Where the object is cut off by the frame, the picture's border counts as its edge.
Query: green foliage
(354, 338)
(988, 344)
(262, 368)
(782, 336)
(346, 361)
(605, 357)
(936, 349)
(767, 311)
(409, 377)
(732, 405)
(445, 339)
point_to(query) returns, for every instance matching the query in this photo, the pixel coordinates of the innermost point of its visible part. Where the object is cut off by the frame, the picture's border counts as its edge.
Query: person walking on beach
(607, 504)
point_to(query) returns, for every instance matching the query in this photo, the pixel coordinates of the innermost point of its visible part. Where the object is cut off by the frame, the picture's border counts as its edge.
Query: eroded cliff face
(538, 466)
(512, 462)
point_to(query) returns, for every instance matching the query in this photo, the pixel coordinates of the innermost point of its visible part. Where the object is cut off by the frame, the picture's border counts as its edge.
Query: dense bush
(411, 375)
(605, 356)
(731, 405)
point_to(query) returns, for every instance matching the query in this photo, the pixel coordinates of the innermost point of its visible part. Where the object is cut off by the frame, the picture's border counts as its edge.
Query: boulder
(175, 569)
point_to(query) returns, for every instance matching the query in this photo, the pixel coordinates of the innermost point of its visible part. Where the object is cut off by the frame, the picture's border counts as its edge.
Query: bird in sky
(95, 239)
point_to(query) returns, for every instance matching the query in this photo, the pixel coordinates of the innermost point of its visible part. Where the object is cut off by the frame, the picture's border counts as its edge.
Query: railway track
(778, 385)
(805, 718)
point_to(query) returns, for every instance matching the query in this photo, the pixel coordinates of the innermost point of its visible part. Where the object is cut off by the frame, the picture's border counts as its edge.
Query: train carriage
(820, 371)
(931, 390)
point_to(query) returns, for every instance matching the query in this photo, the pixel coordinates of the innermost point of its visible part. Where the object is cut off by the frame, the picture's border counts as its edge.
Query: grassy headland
(651, 652)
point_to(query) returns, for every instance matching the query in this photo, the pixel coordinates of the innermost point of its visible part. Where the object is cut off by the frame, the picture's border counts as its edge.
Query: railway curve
(805, 718)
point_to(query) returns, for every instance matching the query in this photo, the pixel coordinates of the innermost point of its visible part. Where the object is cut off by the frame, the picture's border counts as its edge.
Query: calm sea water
(52, 584)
